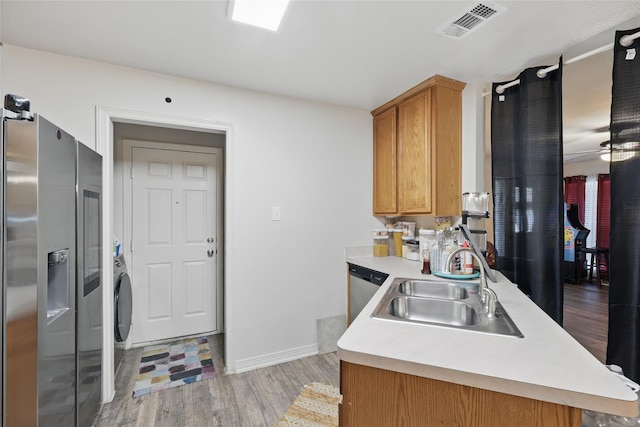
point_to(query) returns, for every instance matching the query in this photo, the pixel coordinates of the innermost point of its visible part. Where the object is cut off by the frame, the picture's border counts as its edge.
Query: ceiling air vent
(471, 20)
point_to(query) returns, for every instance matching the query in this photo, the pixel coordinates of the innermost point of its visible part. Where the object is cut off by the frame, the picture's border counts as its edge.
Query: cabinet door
(414, 155)
(378, 397)
(446, 129)
(384, 163)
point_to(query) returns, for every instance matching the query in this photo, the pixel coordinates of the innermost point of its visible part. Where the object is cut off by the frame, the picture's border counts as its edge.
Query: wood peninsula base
(377, 397)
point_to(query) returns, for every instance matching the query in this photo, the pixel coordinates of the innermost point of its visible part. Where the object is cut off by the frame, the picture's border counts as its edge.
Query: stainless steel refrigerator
(40, 271)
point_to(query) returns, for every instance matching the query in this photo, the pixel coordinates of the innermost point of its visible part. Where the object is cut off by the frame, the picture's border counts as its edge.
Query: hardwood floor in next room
(260, 397)
(586, 316)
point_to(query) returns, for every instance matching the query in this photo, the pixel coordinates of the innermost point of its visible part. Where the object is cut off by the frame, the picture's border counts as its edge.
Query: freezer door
(21, 273)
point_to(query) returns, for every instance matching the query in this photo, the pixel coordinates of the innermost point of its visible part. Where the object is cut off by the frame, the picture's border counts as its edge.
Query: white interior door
(174, 243)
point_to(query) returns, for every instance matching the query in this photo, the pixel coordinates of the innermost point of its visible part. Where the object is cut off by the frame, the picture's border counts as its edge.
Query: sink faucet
(486, 294)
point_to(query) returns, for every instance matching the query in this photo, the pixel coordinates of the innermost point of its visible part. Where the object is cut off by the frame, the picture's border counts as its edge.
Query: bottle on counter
(427, 238)
(467, 260)
(426, 261)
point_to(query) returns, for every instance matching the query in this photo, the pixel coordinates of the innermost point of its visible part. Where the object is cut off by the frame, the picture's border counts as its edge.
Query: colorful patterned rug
(174, 364)
(316, 406)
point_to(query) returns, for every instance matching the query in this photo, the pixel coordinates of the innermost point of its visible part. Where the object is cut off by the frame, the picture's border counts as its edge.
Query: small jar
(405, 247)
(413, 250)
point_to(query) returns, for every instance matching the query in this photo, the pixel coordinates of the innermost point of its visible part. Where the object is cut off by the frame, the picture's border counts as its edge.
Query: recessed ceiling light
(264, 14)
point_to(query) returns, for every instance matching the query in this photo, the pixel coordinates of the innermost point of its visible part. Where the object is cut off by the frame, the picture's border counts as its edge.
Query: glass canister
(408, 228)
(475, 203)
(380, 242)
(381, 246)
(396, 237)
(405, 247)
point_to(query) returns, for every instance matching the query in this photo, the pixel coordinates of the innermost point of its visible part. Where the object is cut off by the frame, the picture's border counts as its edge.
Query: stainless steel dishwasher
(363, 284)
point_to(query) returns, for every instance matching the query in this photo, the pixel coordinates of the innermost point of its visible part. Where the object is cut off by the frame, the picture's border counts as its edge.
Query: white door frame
(105, 118)
(127, 235)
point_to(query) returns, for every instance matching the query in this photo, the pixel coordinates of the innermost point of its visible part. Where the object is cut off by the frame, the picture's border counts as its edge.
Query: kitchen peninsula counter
(546, 365)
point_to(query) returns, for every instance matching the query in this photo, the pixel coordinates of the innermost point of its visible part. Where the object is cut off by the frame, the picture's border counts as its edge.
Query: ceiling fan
(619, 152)
(603, 149)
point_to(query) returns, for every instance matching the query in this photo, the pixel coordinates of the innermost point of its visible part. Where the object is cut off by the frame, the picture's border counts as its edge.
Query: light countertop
(547, 364)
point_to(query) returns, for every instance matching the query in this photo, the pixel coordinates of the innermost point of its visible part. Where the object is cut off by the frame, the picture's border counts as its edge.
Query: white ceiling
(357, 53)
(586, 87)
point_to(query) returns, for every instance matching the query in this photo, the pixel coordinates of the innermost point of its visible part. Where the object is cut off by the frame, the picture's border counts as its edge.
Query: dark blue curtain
(526, 153)
(624, 286)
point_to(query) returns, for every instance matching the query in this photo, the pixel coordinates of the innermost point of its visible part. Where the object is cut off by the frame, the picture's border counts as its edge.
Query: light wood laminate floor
(260, 397)
(255, 398)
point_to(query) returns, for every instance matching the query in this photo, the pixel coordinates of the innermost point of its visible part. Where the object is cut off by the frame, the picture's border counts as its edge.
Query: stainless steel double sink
(452, 304)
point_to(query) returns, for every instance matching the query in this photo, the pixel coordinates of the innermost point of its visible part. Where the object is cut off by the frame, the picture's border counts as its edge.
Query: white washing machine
(122, 306)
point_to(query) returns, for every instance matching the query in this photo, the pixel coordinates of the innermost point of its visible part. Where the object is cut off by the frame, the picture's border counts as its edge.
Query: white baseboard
(168, 340)
(244, 365)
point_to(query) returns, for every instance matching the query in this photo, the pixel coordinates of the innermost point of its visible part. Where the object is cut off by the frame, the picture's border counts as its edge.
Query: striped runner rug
(315, 406)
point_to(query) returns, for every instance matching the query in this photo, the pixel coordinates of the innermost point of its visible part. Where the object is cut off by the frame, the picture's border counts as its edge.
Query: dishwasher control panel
(367, 274)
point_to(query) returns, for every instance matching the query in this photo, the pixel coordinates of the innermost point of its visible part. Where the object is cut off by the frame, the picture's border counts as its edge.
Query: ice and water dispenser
(58, 284)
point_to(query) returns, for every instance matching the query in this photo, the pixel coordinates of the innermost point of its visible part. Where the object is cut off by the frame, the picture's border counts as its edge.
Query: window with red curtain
(604, 211)
(574, 193)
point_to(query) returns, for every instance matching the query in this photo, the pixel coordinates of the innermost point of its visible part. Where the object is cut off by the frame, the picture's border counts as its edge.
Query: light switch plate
(275, 213)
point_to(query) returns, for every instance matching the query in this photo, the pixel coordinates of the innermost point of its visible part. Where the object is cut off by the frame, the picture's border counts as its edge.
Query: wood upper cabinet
(417, 161)
(414, 155)
(384, 162)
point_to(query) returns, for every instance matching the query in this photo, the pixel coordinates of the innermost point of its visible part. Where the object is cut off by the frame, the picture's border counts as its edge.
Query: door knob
(210, 240)
(210, 253)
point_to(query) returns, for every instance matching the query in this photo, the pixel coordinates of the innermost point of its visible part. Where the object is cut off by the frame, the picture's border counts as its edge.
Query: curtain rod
(625, 41)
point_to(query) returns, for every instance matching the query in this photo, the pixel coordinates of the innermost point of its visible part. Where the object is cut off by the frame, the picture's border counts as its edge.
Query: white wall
(586, 168)
(313, 160)
(473, 137)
